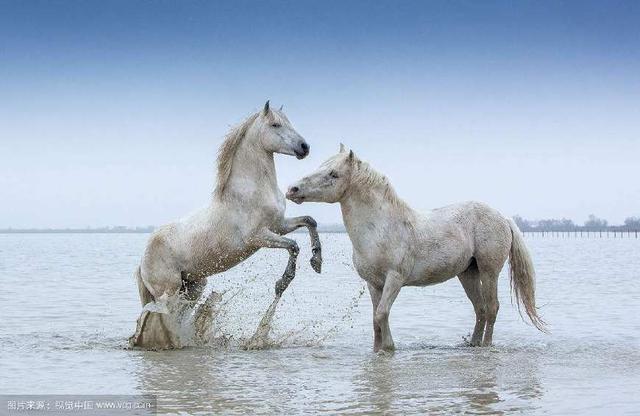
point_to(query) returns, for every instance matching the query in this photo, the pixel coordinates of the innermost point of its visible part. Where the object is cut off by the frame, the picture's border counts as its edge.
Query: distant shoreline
(124, 230)
(554, 229)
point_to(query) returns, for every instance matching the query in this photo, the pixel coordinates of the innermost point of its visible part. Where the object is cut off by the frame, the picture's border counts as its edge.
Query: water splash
(346, 316)
(215, 324)
(260, 338)
(234, 313)
(203, 318)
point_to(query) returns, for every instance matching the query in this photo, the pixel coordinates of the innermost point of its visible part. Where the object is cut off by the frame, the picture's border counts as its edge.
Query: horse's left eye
(276, 125)
(333, 174)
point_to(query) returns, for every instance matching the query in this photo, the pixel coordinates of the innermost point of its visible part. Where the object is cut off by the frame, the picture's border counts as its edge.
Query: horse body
(395, 246)
(246, 213)
(427, 249)
(219, 236)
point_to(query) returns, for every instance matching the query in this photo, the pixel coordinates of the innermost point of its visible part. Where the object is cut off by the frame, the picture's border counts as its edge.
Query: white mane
(227, 151)
(365, 177)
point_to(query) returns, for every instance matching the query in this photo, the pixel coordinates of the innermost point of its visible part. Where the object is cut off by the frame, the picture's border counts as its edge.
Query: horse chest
(272, 212)
(370, 265)
(275, 205)
(266, 210)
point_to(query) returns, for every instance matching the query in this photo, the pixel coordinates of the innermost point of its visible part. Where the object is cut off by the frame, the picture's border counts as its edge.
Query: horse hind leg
(470, 280)
(153, 333)
(147, 324)
(155, 327)
(203, 318)
(490, 295)
(145, 295)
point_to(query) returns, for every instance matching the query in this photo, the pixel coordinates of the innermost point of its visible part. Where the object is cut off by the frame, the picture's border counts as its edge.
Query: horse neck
(370, 206)
(253, 165)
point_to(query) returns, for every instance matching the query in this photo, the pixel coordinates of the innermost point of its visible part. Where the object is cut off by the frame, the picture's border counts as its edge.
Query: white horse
(246, 213)
(394, 246)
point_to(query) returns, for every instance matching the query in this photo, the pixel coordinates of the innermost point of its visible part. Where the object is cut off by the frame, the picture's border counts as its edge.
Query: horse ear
(265, 110)
(281, 107)
(351, 155)
(342, 148)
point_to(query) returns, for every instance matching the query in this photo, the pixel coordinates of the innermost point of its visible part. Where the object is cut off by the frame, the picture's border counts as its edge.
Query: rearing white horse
(394, 246)
(246, 213)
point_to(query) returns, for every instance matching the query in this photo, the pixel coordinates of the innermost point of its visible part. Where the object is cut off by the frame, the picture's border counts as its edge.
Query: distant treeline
(593, 223)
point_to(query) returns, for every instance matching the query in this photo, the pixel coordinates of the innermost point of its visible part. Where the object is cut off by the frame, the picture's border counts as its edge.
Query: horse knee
(481, 314)
(492, 311)
(380, 317)
(309, 221)
(294, 249)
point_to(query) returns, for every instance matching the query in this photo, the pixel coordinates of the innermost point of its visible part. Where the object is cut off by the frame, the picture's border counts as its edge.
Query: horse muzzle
(293, 194)
(302, 151)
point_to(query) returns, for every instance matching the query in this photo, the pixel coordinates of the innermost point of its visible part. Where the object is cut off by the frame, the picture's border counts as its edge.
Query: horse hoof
(386, 351)
(316, 264)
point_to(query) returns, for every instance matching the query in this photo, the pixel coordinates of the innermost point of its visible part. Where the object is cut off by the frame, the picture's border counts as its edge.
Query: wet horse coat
(395, 246)
(246, 213)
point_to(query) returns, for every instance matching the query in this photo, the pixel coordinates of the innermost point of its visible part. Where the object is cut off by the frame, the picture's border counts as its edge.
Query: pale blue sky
(111, 112)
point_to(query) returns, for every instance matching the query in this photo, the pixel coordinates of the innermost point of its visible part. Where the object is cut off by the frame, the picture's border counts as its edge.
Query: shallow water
(69, 302)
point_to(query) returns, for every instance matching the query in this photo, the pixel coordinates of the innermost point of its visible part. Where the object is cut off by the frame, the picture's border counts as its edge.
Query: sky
(111, 112)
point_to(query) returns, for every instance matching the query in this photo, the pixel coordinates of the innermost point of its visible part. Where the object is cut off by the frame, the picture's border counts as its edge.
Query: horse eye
(333, 174)
(276, 125)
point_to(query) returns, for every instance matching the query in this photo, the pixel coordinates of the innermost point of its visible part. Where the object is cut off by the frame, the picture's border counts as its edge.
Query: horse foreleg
(270, 239)
(375, 294)
(392, 286)
(292, 224)
(289, 274)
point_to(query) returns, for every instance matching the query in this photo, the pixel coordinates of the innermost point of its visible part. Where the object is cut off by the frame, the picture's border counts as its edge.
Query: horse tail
(145, 295)
(522, 276)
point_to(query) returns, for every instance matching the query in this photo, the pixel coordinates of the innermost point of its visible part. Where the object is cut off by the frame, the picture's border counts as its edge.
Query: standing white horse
(246, 213)
(394, 246)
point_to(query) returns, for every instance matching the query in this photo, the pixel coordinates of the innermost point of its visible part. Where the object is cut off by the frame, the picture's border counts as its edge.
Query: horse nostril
(294, 189)
(304, 146)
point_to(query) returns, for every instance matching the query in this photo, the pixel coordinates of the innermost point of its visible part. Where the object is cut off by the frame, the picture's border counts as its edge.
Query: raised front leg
(292, 224)
(270, 239)
(392, 286)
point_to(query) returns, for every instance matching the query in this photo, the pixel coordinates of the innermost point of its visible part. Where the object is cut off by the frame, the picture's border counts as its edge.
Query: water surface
(69, 302)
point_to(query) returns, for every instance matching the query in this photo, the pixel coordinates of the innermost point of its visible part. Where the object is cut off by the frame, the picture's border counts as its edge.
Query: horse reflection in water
(476, 381)
(436, 380)
(246, 213)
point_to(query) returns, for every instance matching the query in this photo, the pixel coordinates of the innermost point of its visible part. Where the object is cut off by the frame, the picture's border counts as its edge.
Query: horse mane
(227, 151)
(367, 177)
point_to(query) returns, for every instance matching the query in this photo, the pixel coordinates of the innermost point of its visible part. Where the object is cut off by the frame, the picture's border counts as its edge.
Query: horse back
(448, 239)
